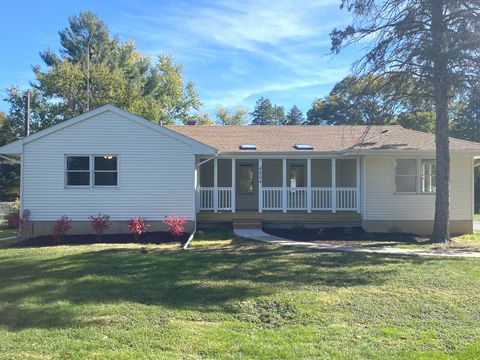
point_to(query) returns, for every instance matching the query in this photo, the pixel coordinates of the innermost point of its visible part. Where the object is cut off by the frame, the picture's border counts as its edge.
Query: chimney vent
(26, 115)
(191, 122)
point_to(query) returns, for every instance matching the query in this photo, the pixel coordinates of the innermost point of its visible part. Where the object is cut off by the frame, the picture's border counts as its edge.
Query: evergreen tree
(294, 116)
(263, 113)
(434, 41)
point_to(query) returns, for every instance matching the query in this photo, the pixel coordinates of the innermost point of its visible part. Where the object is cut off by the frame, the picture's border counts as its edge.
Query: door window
(246, 179)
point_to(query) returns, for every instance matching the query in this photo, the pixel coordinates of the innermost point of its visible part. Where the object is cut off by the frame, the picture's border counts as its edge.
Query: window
(248, 147)
(406, 175)
(246, 179)
(105, 170)
(428, 176)
(82, 170)
(78, 171)
(303, 147)
(297, 176)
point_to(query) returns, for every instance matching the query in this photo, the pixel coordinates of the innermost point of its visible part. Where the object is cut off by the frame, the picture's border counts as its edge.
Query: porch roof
(271, 138)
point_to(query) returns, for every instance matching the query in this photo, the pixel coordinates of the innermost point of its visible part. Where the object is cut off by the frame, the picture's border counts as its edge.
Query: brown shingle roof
(270, 138)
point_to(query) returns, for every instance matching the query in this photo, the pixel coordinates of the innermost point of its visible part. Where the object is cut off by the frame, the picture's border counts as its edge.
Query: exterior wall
(40, 228)
(384, 210)
(155, 172)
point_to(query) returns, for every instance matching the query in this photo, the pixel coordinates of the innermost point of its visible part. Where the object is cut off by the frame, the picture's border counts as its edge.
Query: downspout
(190, 238)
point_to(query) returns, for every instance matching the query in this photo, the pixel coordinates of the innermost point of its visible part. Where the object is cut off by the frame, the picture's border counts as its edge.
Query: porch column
(260, 186)
(196, 183)
(357, 195)
(284, 185)
(234, 183)
(215, 185)
(334, 186)
(309, 185)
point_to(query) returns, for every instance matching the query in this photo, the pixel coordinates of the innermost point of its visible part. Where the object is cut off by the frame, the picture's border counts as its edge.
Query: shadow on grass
(203, 279)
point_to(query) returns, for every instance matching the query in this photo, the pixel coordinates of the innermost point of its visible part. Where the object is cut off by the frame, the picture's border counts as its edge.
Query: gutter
(190, 238)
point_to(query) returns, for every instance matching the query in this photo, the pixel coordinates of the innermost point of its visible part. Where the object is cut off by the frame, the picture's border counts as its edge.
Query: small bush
(14, 221)
(138, 226)
(176, 225)
(100, 224)
(60, 228)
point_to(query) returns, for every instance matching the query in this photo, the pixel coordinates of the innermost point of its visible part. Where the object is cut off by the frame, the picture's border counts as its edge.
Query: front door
(247, 185)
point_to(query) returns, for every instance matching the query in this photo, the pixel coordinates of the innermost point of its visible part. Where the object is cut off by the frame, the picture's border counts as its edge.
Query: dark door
(247, 185)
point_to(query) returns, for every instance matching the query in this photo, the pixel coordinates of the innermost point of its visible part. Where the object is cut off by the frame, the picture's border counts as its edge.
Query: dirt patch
(341, 235)
(159, 237)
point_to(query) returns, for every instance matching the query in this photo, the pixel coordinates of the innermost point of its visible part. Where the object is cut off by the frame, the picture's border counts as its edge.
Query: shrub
(176, 225)
(60, 228)
(138, 226)
(14, 221)
(100, 224)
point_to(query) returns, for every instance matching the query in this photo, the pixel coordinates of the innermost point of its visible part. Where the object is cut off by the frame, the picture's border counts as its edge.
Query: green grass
(477, 217)
(232, 299)
(8, 233)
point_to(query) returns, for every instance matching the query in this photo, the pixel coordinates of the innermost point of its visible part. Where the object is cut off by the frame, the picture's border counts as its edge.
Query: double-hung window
(78, 171)
(413, 176)
(105, 170)
(91, 170)
(406, 175)
(428, 180)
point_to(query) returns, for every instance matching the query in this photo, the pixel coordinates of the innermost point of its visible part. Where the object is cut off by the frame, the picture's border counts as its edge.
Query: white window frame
(418, 182)
(91, 171)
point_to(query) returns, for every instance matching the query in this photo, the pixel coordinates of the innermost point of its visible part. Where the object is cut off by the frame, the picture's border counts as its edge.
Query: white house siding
(382, 204)
(156, 172)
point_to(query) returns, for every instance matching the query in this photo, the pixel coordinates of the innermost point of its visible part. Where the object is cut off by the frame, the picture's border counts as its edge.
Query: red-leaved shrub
(138, 226)
(60, 228)
(176, 225)
(100, 224)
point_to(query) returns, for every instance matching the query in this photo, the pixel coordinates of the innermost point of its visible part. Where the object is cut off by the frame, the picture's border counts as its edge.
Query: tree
(93, 69)
(294, 116)
(264, 112)
(237, 116)
(435, 42)
(280, 117)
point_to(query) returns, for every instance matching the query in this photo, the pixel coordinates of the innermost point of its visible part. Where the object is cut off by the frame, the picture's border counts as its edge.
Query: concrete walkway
(259, 235)
(7, 238)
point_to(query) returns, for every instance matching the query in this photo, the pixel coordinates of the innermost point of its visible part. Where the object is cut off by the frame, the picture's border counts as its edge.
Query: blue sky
(234, 51)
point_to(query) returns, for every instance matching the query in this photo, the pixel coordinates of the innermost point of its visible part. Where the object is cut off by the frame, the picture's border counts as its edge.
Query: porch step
(247, 224)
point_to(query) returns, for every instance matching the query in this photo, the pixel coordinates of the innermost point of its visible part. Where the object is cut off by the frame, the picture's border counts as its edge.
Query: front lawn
(234, 299)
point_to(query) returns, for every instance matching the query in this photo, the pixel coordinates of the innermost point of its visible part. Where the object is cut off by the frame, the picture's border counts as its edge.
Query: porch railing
(222, 196)
(273, 198)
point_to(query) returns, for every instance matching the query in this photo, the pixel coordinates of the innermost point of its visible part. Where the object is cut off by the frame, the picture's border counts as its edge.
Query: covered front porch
(278, 185)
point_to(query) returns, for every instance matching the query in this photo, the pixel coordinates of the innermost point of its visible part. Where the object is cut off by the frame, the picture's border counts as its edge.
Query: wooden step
(247, 224)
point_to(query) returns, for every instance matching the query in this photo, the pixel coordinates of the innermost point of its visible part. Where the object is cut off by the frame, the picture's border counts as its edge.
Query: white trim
(234, 186)
(334, 185)
(472, 195)
(358, 185)
(215, 185)
(284, 185)
(309, 185)
(363, 167)
(14, 148)
(260, 186)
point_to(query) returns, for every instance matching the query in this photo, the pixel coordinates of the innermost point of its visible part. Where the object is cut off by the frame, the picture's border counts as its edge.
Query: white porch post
(284, 185)
(215, 185)
(334, 186)
(309, 185)
(260, 186)
(196, 185)
(357, 194)
(233, 192)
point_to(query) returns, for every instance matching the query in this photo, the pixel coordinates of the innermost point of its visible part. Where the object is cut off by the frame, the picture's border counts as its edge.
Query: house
(110, 161)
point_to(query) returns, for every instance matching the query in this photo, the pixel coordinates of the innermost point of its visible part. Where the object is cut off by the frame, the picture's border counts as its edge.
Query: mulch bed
(340, 234)
(159, 237)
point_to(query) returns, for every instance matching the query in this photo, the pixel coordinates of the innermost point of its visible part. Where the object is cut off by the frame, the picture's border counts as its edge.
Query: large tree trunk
(441, 231)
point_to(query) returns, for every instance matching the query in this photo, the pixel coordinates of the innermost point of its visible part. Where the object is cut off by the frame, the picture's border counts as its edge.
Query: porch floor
(289, 218)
